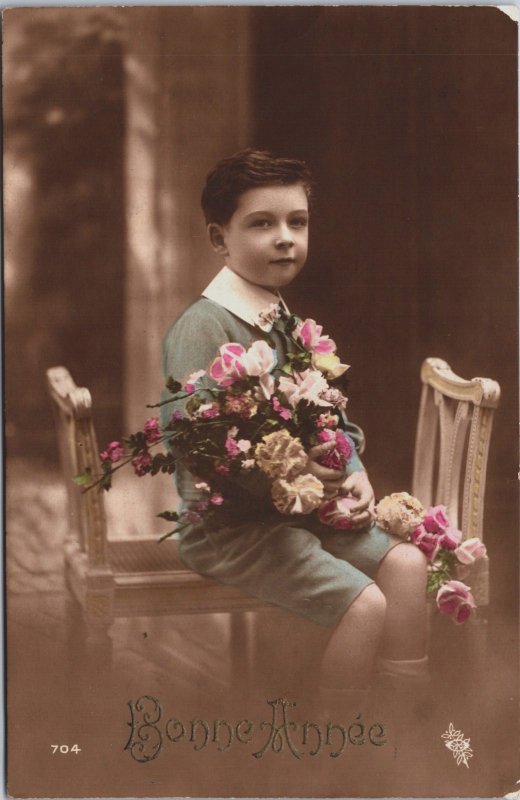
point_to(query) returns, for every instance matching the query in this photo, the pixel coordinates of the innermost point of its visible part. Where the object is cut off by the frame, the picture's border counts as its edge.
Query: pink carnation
(114, 452)
(455, 600)
(191, 516)
(232, 447)
(222, 469)
(152, 430)
(327, 421)
(176, 416)
(191, 380)
(283, 412)
(336, 512)
(207, 411)
(141, 463)
(244, 405)
(339, 456)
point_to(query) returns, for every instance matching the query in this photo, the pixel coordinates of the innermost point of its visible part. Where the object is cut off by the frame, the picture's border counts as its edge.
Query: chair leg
(99, 650)
(76, 633)
(89, 651)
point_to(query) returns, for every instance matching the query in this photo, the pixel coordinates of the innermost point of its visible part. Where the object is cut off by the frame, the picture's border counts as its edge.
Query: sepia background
(407, 117)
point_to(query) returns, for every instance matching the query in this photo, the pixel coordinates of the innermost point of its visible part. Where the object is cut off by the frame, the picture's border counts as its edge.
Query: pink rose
(450, 538)
(176, 416)
(114, 452)
(428, 542)
(141, 463)
(216, 499)
(436, 519)
(309, 333)
(336, 512)
(259, 359)
(454, 598)
(152, 430)
(470, 551)
(228, 367)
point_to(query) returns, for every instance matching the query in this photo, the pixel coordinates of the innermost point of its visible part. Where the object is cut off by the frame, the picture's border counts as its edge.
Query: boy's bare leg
(402, 578)
(349, 656)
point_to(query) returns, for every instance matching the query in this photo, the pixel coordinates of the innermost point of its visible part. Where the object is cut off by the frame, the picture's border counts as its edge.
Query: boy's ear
(217, 238)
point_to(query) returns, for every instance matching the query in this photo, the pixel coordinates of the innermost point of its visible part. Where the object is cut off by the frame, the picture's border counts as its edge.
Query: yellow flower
(329, 364)
(399, 513)
(300, 496)
(279, 455)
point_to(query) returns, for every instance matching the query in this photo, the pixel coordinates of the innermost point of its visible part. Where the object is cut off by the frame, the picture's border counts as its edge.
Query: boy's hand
(331, 479)
(358, 485)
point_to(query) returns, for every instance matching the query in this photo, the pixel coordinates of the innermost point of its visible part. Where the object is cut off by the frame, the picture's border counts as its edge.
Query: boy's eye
(300, 222)
(261, 223)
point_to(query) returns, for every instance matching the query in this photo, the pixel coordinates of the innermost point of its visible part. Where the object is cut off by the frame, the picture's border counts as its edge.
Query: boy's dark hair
(245, 170)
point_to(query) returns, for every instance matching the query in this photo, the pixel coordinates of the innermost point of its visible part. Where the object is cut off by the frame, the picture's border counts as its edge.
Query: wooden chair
(450, 461)
(137, 577)
(140, 577)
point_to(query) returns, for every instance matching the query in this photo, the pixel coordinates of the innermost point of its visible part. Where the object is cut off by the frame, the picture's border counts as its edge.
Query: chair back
(78, 447)
(452, 443)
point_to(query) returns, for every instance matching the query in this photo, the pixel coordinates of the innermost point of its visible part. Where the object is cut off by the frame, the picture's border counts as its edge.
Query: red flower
(142, 463)
(152, 430)
(113, 453)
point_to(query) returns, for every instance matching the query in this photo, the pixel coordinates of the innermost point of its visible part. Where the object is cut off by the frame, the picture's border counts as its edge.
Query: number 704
(64, 748)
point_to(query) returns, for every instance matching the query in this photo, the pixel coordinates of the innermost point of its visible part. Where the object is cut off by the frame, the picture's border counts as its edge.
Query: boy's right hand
(331, 479)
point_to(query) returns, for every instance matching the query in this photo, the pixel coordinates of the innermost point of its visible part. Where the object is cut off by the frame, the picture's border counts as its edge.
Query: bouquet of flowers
(248, 421)
(448, 553)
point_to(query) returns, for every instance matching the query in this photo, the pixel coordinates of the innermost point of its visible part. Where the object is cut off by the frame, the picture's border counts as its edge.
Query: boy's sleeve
(192, 344)
(358, 437)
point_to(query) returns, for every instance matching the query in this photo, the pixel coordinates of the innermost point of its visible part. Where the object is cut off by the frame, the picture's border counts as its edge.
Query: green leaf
(106, 481)
(173, 386)
(84, 478)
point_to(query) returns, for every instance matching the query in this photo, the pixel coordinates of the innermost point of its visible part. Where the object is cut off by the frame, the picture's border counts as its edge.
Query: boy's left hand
(358, 485)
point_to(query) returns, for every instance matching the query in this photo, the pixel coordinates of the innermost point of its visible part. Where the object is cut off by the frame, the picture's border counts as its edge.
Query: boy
(366, 586)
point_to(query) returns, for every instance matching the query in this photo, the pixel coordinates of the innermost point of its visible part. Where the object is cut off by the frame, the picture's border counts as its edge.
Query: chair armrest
(69, 397)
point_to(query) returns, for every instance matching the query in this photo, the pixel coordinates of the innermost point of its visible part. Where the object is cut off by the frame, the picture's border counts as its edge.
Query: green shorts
(291, 561)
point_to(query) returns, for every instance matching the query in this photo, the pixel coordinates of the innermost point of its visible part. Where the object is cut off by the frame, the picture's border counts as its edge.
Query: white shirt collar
(244, 299)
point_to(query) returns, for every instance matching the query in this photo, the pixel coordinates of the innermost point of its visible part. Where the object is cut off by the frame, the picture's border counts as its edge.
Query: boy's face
(265, 240)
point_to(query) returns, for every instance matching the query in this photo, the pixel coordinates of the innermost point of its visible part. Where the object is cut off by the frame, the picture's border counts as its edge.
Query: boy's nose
(284, 238)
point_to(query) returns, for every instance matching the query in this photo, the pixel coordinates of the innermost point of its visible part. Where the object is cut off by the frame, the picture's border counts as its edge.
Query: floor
(204, 742)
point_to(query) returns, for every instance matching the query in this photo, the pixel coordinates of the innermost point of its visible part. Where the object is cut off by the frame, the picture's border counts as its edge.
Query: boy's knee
(370, 603)
(407, 558)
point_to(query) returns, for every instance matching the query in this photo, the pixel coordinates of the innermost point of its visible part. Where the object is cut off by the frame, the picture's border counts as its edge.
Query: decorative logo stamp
(459, 746)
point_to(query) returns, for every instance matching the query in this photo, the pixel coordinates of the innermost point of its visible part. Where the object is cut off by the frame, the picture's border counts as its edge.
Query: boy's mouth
(287, 260)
